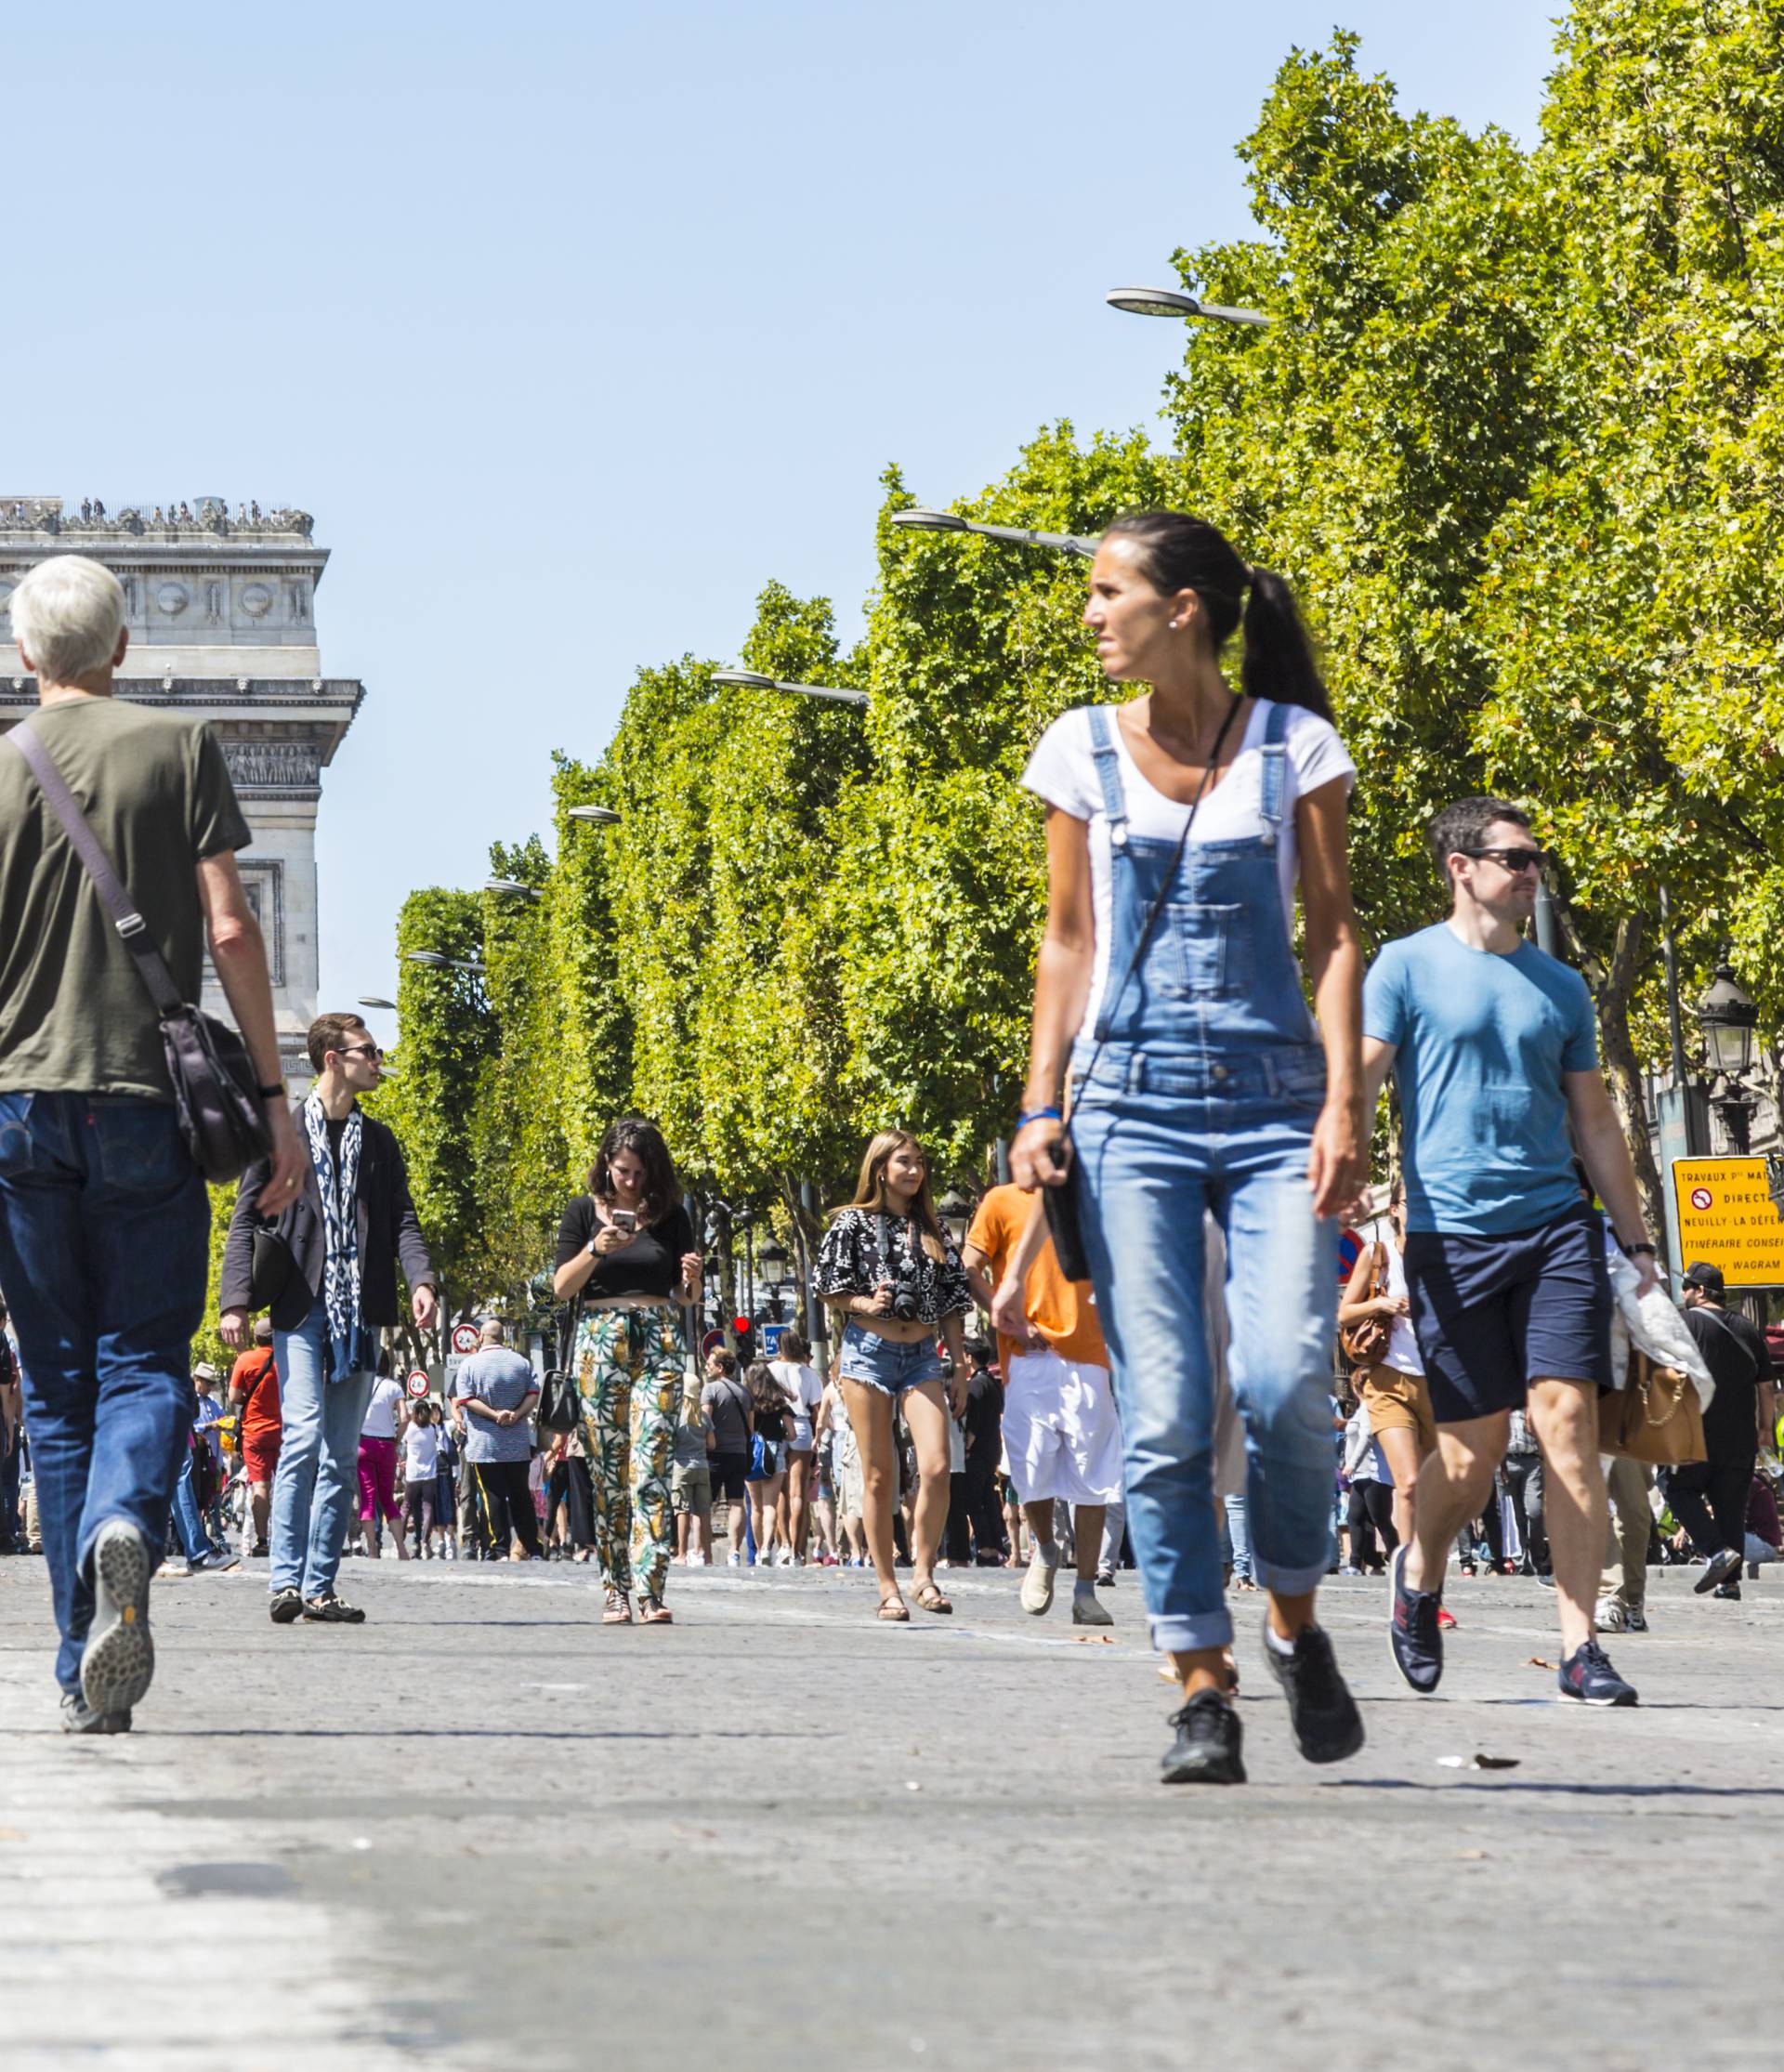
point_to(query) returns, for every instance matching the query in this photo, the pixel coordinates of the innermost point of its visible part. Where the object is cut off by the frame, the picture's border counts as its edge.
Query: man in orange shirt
(1060, 1430)
(254, 1391)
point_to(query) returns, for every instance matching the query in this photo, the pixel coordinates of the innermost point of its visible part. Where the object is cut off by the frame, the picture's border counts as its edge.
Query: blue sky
(574, 326)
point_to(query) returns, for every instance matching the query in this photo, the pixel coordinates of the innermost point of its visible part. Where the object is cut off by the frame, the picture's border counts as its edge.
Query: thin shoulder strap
(1109, 774)
(87, 845)
(1275, 753)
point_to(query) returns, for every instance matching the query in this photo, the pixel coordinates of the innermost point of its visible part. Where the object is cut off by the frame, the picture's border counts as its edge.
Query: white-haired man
(497, 1390)
(104, 1217)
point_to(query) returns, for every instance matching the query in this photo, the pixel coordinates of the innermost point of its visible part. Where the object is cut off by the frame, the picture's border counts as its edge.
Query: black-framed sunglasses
(364, 1050)
(1512, 859)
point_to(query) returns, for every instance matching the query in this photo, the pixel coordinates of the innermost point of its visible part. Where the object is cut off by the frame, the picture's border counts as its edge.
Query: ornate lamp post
(1727, 1016)
(956, 1212)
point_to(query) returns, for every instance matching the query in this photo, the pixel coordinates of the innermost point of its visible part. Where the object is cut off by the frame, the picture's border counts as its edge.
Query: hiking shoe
(78, 1717)
(286, 1604)
(1412, 1635)
(1587, 1676)
(1086, 1611)
(1721, 1565)
(1209, 1744)
(1634, 1619)
(1610, 1617)
(119, 1661)
(1327, 1725)
(332, 1610)
(1037, 1585)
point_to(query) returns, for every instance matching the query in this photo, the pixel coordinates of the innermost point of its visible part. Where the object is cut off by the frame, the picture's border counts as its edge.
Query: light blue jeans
(315, 1490)
(1239, 1537)
(1160, 1137)
(186, 1522)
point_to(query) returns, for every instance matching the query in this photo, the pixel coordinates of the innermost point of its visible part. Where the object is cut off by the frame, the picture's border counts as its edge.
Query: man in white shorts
(1060, 1430)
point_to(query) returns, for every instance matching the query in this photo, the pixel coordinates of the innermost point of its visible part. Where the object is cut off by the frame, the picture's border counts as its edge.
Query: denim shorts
(884, 1364)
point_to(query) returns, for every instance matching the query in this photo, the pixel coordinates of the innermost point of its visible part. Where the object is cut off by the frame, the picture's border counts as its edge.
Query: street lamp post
(922, 519)
(595, 816)
(512, 889)
(431, 960)
(1728, 1016)
(1173, 302)
(956, 1212)
(753, 679)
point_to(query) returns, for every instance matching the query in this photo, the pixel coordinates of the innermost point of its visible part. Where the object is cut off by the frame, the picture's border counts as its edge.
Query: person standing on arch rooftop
(1495, 1049)
(104, 1220)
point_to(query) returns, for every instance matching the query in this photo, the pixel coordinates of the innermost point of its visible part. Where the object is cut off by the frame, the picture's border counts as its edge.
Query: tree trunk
(1612, 985)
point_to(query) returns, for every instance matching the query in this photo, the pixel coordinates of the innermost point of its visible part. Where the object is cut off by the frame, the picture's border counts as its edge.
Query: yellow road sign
(1728, 1219)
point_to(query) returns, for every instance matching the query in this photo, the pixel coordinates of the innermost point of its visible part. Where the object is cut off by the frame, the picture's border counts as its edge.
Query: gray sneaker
(1610, 1617)
(78, 1717)
(1037, 1585)
(119, 1661)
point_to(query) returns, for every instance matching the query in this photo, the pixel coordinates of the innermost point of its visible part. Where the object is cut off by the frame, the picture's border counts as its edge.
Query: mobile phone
(624, 1219)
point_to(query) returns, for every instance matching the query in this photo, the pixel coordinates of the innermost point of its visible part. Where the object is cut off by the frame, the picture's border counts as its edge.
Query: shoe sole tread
(118, 1664)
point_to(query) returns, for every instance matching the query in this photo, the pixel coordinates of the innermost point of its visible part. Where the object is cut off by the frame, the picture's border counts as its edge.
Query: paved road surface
(481, 1831)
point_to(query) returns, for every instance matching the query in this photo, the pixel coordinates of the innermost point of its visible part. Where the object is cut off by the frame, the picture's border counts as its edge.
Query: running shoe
(1634, 1619)
(1036, 1595)
(1588, 1677)
(1610, 1617)
(1327, 1725)
(286, 1604)
(118, 1663)
(1412, 1634)
(330, 1610)
(1721, 1565)
(1208, 1746)
(78, 1717)
(1730, 1589)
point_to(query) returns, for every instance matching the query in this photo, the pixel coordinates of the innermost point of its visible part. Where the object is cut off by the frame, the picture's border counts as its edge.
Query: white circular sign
(465, 1338)
(418, 1383)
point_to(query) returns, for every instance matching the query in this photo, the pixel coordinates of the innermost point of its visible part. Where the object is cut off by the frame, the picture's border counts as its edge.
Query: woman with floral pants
(626, 1255)
(631, 1371)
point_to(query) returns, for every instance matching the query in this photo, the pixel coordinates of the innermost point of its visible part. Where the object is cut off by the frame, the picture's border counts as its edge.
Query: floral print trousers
(629, 1367)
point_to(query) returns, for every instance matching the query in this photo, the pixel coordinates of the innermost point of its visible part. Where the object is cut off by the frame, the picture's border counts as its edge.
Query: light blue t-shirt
(1483, 1042)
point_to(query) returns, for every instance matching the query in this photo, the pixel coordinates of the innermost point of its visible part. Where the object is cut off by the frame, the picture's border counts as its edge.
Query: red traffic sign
(1701, 1197)
(711, 1344)
(418, 1383)
(465, 1338)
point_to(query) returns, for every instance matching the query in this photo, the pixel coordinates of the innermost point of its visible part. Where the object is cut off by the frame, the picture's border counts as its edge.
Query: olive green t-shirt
(75, 1018)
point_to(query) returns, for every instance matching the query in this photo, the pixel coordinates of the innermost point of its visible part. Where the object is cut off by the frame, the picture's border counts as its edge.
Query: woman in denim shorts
(1180, 826)
(887, 1265)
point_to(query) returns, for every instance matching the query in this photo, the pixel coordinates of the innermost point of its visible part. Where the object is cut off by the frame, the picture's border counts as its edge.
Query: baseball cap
(1704, 1276)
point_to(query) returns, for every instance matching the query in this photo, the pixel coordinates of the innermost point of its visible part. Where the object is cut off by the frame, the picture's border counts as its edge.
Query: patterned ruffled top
(865, 1248)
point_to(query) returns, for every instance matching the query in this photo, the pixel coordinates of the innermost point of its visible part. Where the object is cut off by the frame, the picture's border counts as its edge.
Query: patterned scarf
(350, 1349)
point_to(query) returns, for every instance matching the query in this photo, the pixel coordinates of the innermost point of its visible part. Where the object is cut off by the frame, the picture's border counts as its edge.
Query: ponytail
(1177, 552)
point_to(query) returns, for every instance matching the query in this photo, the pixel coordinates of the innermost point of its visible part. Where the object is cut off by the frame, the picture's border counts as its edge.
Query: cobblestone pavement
(483, 1831)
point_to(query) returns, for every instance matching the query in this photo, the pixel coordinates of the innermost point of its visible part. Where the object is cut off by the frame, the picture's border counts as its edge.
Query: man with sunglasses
(1493, 1045)
(341, 1242)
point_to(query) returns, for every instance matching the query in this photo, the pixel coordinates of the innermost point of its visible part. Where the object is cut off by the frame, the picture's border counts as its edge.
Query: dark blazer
(389, 1231)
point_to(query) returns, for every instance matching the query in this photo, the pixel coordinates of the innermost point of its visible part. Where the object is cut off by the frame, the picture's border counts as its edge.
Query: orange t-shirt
(260, 1415)
(1063, 1311)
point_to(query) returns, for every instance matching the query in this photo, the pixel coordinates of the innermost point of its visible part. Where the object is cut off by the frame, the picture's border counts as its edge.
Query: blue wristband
(1038, 1115)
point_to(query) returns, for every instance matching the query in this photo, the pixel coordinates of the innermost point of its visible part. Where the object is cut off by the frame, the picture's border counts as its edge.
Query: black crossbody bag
(1064, 1210)
(215, 1093)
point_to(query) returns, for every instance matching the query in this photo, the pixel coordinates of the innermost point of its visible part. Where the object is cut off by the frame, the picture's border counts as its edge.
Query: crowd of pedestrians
(1181, 1381)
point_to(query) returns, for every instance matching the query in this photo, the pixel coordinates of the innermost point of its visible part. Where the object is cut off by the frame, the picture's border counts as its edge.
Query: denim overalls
(1205, 1097)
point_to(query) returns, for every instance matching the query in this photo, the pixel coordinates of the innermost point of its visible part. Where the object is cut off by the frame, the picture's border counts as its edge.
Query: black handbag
(1062, 1205)
(215, 1093)
(272, 1268)
(560, 1400)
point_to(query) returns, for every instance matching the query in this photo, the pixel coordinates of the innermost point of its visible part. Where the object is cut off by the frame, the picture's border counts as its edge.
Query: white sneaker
(783, 1559)
(1608, 1615)
(1037, 1585)
(734, 1559)
(697, 1561)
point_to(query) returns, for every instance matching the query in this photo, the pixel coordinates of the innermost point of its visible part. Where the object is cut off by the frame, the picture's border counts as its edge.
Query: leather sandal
(894, 1611)
(652, 1611)
(618, 1611)
(930, 1597)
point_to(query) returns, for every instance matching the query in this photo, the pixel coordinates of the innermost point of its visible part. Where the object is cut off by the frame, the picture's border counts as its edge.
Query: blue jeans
(884, 1363)
(186, 1522)
(104, 1226)
(1239, 1538)
(12, 1526)
(315, 1492)
(1160, 1137)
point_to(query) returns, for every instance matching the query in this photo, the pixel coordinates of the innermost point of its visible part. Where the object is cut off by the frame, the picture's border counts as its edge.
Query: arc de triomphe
(222, 611)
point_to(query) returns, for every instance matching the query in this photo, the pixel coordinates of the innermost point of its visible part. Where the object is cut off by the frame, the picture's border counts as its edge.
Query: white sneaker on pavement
(1607, 1614)
(1037, 1585)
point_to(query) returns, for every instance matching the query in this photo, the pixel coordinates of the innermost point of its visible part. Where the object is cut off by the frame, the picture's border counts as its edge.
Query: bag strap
(125, 918)
(1274, 754)
(1106, 1018)
(1706, 1310)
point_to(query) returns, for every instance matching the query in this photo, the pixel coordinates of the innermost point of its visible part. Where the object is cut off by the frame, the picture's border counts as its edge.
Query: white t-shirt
(421, 1453)
(1402, 1347)
(1063, 771)
(803, 1392)
(381, 1412)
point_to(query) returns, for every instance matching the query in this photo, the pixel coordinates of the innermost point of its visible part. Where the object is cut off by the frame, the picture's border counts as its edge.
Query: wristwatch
(1640, 1244)
(271, 1093)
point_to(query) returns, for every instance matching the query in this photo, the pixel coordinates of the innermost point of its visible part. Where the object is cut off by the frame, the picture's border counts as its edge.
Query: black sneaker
(1721, 1565)
(332, 1610)
(1327, 1725)
(1634, 1619)
(1587, 1676)
(1730, 1590)
(118, 1662)
(1207, 1750)
(1412, 1635)
(286, 1604)
(78, 1717)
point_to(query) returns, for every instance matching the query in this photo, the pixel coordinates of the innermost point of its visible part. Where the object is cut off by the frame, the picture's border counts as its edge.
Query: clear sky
(573, 325)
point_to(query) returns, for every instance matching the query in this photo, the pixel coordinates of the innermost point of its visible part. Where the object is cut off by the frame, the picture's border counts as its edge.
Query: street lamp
(1173, 302)
(753, 679)
(372, 1000)
(595, 816)
(922, 519)
(435, 961)
(1728, 1016)
(511, 888)
(956, 1212)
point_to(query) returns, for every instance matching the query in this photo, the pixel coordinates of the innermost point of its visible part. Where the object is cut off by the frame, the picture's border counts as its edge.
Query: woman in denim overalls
(1203, 1084)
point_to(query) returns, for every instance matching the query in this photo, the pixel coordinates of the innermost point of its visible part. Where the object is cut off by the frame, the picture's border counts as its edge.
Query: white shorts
(1060, 1430)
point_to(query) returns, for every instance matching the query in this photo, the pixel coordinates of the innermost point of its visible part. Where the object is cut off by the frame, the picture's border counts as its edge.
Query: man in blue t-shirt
(1494, 1049)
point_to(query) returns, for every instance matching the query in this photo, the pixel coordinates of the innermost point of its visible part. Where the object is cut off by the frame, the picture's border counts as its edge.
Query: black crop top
(650, 1265)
